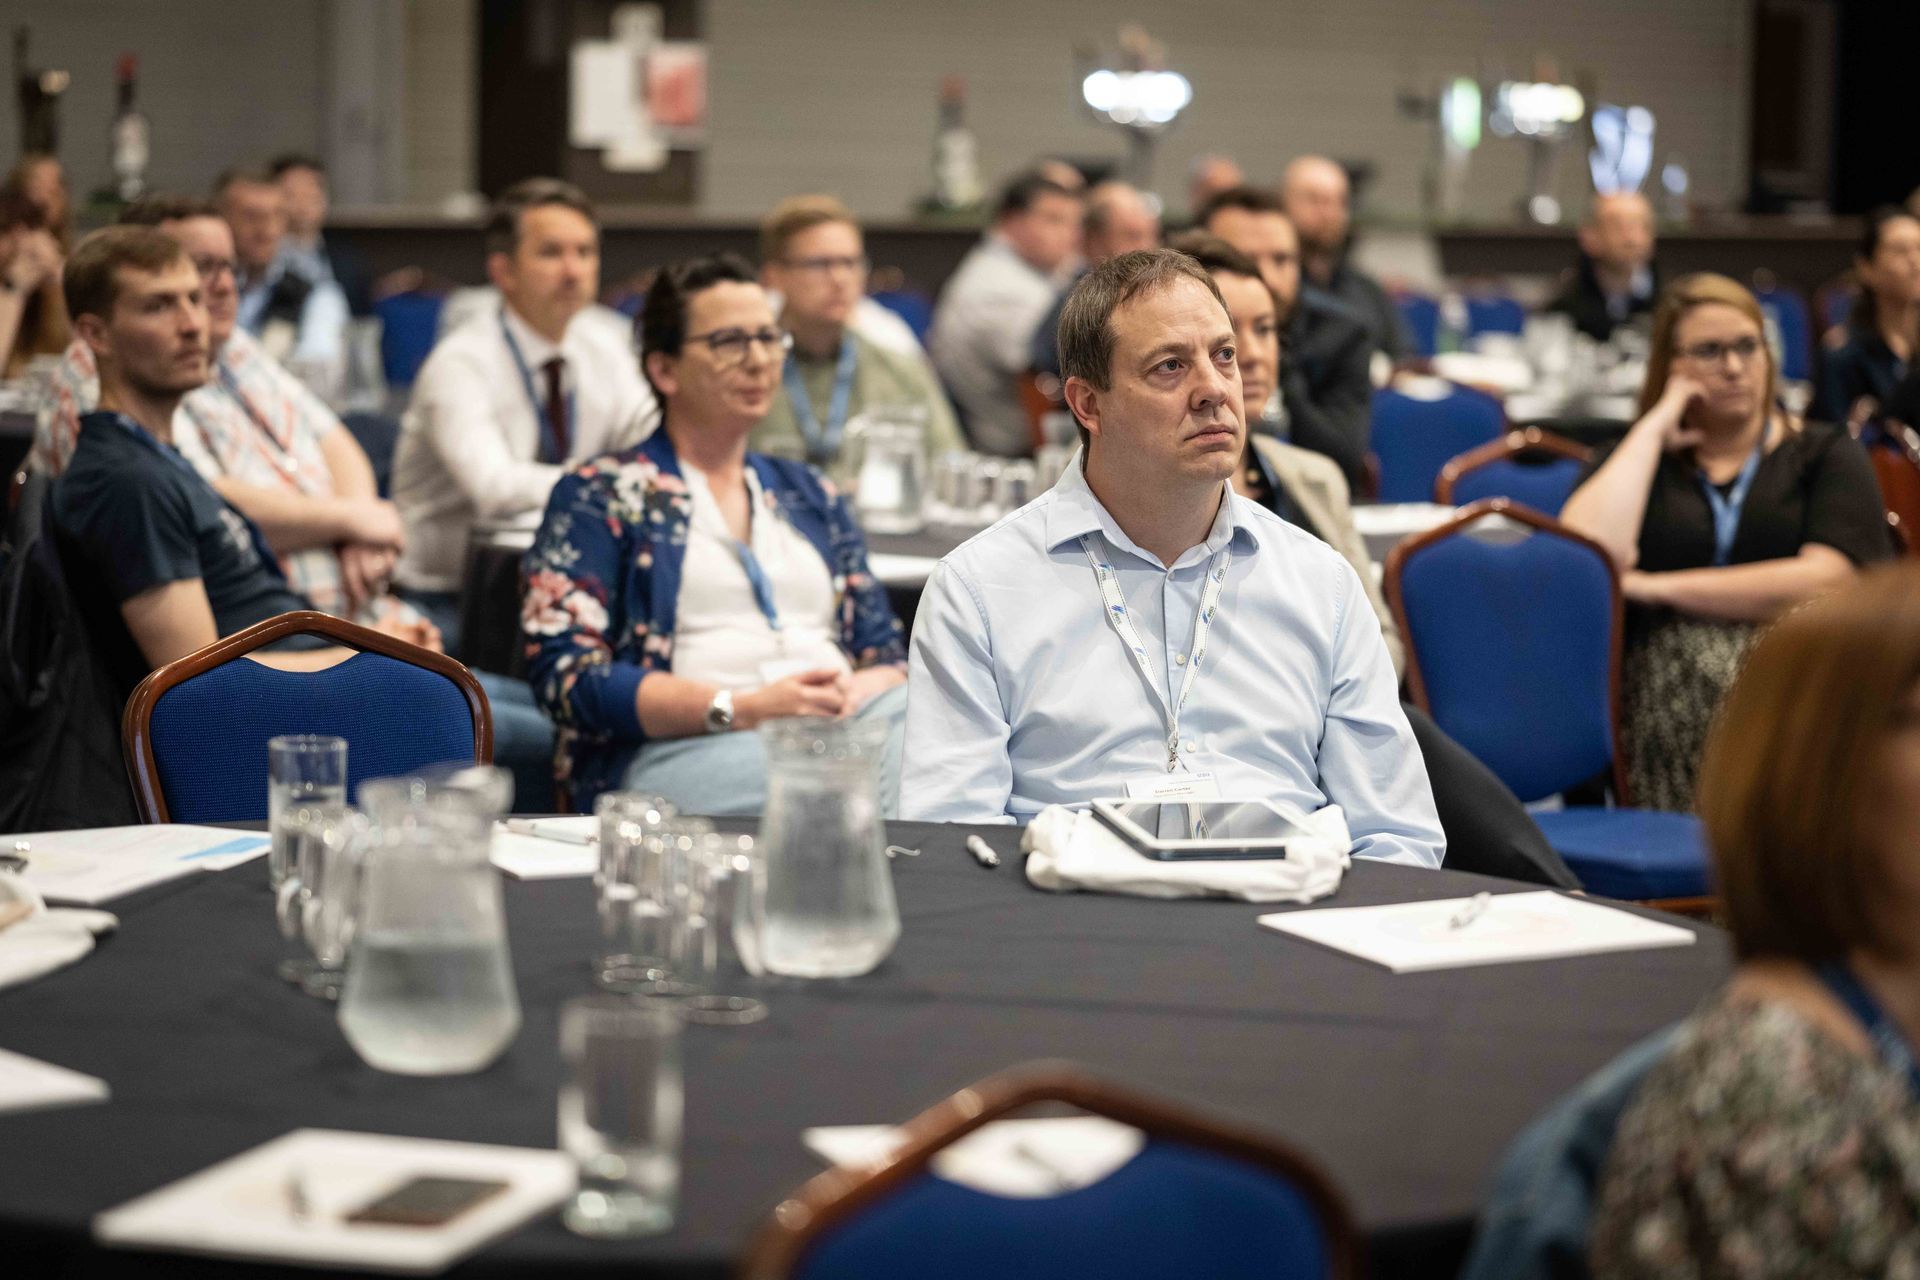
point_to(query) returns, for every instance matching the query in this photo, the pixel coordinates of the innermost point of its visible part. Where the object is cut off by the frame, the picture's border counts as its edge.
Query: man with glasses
(514, 395)
(813, 256)
(687, 590)
(264, 442)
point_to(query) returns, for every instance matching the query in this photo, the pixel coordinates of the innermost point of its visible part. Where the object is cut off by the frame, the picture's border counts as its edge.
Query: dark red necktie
(557, 407)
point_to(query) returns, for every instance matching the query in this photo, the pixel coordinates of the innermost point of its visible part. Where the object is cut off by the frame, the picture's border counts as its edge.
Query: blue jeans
(522, 741)
(725, 774)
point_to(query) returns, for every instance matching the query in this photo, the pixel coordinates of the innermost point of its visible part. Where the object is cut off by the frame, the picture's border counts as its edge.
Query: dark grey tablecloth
(1407, 1088)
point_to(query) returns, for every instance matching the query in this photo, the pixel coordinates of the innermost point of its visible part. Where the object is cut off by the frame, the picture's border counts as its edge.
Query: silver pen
(1472, 910)
(982, 852)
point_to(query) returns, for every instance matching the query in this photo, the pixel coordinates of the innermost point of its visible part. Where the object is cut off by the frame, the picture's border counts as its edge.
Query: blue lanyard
(1888, 1040)
(822, 443)
(762, 587)
(1726, 507)
(552, 445)
(174, 456)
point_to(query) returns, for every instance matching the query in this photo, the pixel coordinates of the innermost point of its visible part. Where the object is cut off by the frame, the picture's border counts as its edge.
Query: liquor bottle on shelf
(130, 137)
(956, 156)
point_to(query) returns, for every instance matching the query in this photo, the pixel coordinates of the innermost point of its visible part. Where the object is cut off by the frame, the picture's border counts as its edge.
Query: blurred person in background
(1720, 511)
(1859, 372)
(982, 340)
(814, 258)
(297, 319)
(514, 396)
(684, 591)
(1208, 177)
(42, 182)
(303, 192)
(33, 313)
(264, 442)
(1318, 199)
(1780, 1134)
(1118, 220)
(1325, 400)
(1616, 280)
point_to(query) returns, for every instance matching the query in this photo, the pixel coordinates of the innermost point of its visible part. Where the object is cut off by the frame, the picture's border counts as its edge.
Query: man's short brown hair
(503, 220)
(91, 278)
(1787, 780)
(1248, 199)
(1215, 255)
(799, 213)
(1086, 321)
(151, 211)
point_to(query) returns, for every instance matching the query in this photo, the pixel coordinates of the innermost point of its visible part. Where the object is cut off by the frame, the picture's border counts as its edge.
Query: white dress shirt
(1021, 693)
(982, 342)
(720, 635)
(470, 439)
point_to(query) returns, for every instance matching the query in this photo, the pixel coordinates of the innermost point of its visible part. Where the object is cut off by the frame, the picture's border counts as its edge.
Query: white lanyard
(1122, 620)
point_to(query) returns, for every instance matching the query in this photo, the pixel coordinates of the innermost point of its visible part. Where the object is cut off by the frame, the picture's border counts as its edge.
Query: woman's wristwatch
(720, 712)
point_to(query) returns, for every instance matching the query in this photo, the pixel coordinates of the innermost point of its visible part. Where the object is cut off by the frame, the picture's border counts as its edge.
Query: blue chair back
(1494, 313)
(1789, 311)
(1171, 1209)
(1414, 438)
(1513, 643)
(1544, 484)
(197, 738)
(911, 305)
(1421, 315)
(409, 322)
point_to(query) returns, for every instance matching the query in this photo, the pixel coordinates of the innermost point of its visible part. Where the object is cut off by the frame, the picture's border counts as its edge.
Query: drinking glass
(302, 769)
(298, 827)
(332, 857)
(636, 896)
(731, 889)
(620, 1112)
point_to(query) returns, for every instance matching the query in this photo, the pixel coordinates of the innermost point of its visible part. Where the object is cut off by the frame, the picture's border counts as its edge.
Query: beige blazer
(1317, 487)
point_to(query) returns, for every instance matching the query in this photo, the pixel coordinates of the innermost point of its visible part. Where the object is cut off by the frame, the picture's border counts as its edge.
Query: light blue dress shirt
(1022, 694)
(322, 332)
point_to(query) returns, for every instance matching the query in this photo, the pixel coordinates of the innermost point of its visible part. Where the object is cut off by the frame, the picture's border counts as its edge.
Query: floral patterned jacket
(603, 590)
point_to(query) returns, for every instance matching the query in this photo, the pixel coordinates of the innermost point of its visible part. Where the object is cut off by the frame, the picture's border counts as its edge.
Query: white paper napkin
(1033, 1158)
(27, 1084)
(47, 939)
(1071, 849)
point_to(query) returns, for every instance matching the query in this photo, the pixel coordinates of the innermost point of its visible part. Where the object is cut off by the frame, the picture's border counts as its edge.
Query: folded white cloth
(47, 939)
(1071, 849)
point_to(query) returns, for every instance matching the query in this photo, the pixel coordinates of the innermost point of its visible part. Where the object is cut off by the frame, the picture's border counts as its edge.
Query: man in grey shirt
(983, 328)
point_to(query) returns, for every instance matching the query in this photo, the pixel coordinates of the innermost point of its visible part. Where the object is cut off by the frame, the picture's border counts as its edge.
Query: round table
(1406, 1088)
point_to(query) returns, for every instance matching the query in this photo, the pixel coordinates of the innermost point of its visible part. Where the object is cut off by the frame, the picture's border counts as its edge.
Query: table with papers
(1406, 1087)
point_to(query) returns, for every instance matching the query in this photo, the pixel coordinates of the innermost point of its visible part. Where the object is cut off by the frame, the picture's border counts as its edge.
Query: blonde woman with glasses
(1720, 511)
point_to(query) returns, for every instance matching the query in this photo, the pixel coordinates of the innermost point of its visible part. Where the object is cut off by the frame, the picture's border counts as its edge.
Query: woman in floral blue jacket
(686, 589)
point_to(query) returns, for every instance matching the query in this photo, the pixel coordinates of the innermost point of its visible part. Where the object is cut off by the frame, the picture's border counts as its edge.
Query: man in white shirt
(982, 336)
(1140, 629)
(513, 397)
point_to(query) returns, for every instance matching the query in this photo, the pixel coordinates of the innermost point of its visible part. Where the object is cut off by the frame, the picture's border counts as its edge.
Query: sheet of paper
(1038, 1157)
(1380, 519)
(243, 1207)
(527, 857)
(603, 93)
(28, 1084)
(582, 828)
(96, 864)
(901, 571)
(1409, 937)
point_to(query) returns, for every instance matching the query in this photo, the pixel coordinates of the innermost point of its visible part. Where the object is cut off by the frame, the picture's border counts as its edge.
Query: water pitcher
(429, 986)
(830, 911)
(890, 444)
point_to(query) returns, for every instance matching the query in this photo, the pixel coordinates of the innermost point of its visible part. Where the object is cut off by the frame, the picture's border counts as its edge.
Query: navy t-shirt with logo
(142, 517)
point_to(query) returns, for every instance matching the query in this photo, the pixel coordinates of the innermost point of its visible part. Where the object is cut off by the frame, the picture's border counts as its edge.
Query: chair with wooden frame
(1896, 465)
(1513, 640)
(1500, 469)
(195, 730)
(1197, 1199)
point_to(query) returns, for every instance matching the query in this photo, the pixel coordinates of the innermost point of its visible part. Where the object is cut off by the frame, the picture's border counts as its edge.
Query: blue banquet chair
(1421, 315)
(1197, 1199)
(1494, 313)
(1530, 465)
(1789, 312)
(1414, 436)
(195, 730)
(1513, 634)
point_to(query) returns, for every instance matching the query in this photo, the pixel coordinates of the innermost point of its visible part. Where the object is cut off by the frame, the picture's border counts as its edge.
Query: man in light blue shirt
(1139, 629)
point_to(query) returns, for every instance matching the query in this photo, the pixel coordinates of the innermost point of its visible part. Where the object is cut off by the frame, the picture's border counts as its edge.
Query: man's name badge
(1173, 786)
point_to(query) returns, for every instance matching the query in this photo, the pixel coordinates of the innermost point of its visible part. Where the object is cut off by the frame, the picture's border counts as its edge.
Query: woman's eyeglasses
(730, 346)
(1714, 352)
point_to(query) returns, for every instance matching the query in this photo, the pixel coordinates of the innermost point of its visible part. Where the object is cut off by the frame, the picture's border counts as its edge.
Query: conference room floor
(1406, 1088)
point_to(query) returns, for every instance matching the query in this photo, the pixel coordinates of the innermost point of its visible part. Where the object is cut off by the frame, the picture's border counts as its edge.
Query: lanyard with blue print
(1726, 507)
(1122, 622)
(762, 587)
(823, 442)
(553, 449)
(174, 456)
(1888, 1040)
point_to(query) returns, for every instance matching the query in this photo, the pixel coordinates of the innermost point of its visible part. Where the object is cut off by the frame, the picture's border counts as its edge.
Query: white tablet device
(1175, 829)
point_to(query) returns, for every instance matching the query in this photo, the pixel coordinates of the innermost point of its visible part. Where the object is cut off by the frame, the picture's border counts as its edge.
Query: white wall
(841, 94)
